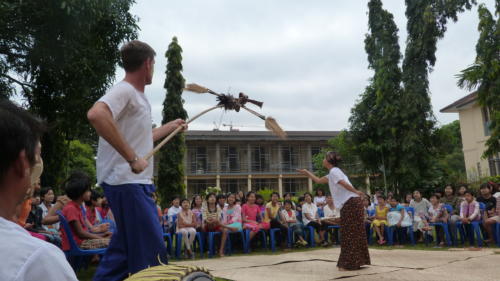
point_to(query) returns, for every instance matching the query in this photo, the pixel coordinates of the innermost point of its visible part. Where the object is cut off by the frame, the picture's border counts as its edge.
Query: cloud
(305, 60)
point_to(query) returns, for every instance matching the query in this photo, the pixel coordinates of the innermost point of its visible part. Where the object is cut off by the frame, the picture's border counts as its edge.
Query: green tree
(60, 56)
(484, 74)
(393, 126)
(81, 157)
(450, 156)
(375, 119)
(171, 167)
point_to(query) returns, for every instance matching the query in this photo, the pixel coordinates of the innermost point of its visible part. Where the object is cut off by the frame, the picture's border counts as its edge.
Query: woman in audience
(331, 218)
(461, 192)
(221, 201)
(319, 198)
(408, 199)
(211, 214)
(186, 223)
(231, 220)
(368, 209)
(78, 190)
(395, 217)
(438, 214)
(197, 209)
(380, 220)
(310, 216)
(272, 218)
(288, 196)
(290, 221)
(47, 197)
(251, 215)
(240, 196)
(259, 201)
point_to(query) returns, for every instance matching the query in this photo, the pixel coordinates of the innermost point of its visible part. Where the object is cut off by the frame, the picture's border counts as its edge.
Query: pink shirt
(231, 215)
(250, 212)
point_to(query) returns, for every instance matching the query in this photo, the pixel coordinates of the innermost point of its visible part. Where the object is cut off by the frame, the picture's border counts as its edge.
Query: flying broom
(228, 102)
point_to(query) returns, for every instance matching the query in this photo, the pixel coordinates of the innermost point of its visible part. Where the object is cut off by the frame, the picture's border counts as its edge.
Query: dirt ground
(453, 264)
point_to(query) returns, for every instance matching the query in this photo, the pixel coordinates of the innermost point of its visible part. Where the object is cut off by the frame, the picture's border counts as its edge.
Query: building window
(233, 185)
(199, 160)
(494, 165)
(260, 159)
(229, 159)
(294, 186)
(258, 184)
(486, 120)
(289, 158)
(199, 186)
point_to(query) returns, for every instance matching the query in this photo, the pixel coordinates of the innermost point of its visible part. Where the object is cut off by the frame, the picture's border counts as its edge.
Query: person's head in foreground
(78, 186)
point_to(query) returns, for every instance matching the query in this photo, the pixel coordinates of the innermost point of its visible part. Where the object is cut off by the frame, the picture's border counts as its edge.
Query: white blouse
(339, 193)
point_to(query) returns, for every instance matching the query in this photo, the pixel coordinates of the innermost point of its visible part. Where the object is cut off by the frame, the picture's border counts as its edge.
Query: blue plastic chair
(272, 238)
(445, 227)
(229, 247)
(476, 229)
(178, 243)
(332, 227)
(497, 229)
(247, 239)
(75, 250)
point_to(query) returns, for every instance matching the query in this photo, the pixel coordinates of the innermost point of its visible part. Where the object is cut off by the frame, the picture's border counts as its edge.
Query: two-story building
(251, 160)
(474, 127)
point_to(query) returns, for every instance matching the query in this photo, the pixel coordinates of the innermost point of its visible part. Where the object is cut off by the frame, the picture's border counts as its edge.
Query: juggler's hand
(139, 165)
(177, 123)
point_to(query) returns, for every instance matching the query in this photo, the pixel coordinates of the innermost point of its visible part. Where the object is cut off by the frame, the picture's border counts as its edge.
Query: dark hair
(449, 185)
(288, 202)
(381, 196)
(134, 54)
(193, 203)
(220, 196)
(286, 194)
(45, 190)
(307, 193)
(250, 193)
(175, 197)
(469, 192)
(184, 199)
(210, 194)
(19, 130)
(434, 195)
(76, 185)
(367, 197)
(275, 193)
(301, 198)
(393, 198)
(328, 195)
(94, 196)
(319, 189)
(229, 195)
(333, 158)
(36, 193)
(486, 185)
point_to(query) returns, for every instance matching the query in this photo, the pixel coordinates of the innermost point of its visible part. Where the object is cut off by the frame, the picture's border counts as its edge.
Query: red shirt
(90, 214)
(72, 212)
(250, 212)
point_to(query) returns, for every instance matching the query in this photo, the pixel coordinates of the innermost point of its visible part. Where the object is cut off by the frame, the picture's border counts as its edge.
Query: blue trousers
(138, 241)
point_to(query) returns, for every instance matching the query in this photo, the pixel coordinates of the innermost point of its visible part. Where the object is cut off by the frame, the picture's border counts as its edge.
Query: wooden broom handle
(177, 130)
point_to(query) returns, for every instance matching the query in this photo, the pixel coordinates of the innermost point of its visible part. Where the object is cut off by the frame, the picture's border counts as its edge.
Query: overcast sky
(304, 59)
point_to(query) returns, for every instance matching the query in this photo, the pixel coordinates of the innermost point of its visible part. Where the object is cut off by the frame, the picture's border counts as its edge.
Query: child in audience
(298, 207)
(395, 218)
(272, 218)
(492, 216)
(173, 211)
(78, 190)
(288, 196)
(380, 220)
(197, 209)
(438, 214)
(47, 197)
(259, 200)
(320, 198)
(290, 221)
(231, 220)
(408, 199)
(310, 216)
(34, 222)
(186, 223)
(469, 212)
(251, 215)
(240, 196)
(368, 209)
(92, 208)
(221, 201)
(211, 214)
(331, 217)
(421, 207)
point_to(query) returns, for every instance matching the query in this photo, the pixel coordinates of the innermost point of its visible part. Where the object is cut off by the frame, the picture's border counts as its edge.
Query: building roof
(461, 103)
(259, 135)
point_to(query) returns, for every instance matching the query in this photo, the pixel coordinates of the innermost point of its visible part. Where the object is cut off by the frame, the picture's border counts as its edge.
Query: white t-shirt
(329, 213)
(132, 112)
(311, 209)
(24, 257)
(172, 211)
(319, 199)
(339, 193)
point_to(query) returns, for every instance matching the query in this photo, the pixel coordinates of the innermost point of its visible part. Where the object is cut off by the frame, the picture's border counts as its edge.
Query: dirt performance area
(453, 264)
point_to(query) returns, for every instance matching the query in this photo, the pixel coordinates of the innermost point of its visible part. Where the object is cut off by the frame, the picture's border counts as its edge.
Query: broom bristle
(196, 88)
(274, 127)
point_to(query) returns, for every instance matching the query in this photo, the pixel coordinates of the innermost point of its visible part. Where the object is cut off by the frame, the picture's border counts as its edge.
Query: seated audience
(77, 188)
(311, 218)
(469, 212)
(173, 211)
(398, 218)
(331, 217)
(259, 201)
(421, 207)
(491, 203)
(272, 218)
(438, 214)
(186, 223)
(319, 198)
(251, 215)
(211, 214)
(380, 220)
(34, 222)
(47, 197)
(197, 209)
(288, 196)
(231, 220)
(221, 201)
(290, 221)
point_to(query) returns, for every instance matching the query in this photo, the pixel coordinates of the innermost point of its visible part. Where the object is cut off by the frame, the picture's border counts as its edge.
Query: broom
(172, 134)
(270, 123)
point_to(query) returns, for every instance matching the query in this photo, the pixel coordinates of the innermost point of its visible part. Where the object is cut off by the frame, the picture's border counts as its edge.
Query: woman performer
(353, 245)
